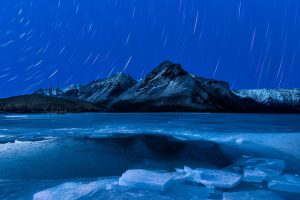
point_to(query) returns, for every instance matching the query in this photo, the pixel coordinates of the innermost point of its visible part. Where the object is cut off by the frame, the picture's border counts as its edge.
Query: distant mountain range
(168, 88)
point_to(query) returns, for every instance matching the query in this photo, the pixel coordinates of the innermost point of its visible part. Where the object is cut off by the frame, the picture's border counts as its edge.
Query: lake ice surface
(83, 156)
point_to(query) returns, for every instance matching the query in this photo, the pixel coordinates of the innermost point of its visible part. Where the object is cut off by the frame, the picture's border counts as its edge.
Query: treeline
(42, 104)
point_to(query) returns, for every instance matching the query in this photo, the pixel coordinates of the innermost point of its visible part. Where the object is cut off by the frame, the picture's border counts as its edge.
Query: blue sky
(250, 44)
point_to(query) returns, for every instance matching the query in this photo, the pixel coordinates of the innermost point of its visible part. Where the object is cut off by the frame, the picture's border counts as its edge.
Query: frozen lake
(55, 156)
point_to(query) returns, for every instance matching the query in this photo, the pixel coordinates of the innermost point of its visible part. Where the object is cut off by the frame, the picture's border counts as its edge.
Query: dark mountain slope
(170, 88)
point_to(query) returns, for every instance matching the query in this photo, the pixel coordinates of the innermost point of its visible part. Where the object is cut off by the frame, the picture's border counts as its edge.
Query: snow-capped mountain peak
(272, 96)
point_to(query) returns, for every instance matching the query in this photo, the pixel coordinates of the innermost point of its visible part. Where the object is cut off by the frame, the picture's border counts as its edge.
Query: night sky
(248, 43)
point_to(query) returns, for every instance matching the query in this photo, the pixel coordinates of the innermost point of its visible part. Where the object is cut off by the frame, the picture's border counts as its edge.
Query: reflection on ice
(16, 116)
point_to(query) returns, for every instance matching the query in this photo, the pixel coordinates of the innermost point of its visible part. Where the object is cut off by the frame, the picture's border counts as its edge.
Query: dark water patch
(165, 148)
(69, 158)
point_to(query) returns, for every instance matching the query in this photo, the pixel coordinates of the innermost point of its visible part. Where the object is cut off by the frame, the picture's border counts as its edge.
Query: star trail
(250, 44)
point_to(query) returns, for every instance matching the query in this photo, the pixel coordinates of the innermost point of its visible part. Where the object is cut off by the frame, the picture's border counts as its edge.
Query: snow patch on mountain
(272, 96)
(96, 91)
(50, 92)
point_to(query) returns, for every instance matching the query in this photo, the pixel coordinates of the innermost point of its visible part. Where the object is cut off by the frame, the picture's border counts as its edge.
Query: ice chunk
(73, 190)
(286, 182)
(143, 179)
(271, 167)
(216, 178)
(219, 178)
(250, 195)
(187, 169)
(263, 163)
(254, 176)
(179, 170)
(179, 176)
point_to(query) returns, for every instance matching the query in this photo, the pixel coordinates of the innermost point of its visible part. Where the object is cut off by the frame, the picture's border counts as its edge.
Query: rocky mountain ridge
(169, 88)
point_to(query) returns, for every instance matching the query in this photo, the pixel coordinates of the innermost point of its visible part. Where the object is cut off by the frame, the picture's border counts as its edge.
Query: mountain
(276, 100)
(45, 104)
(169, 88)
(99, 91)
